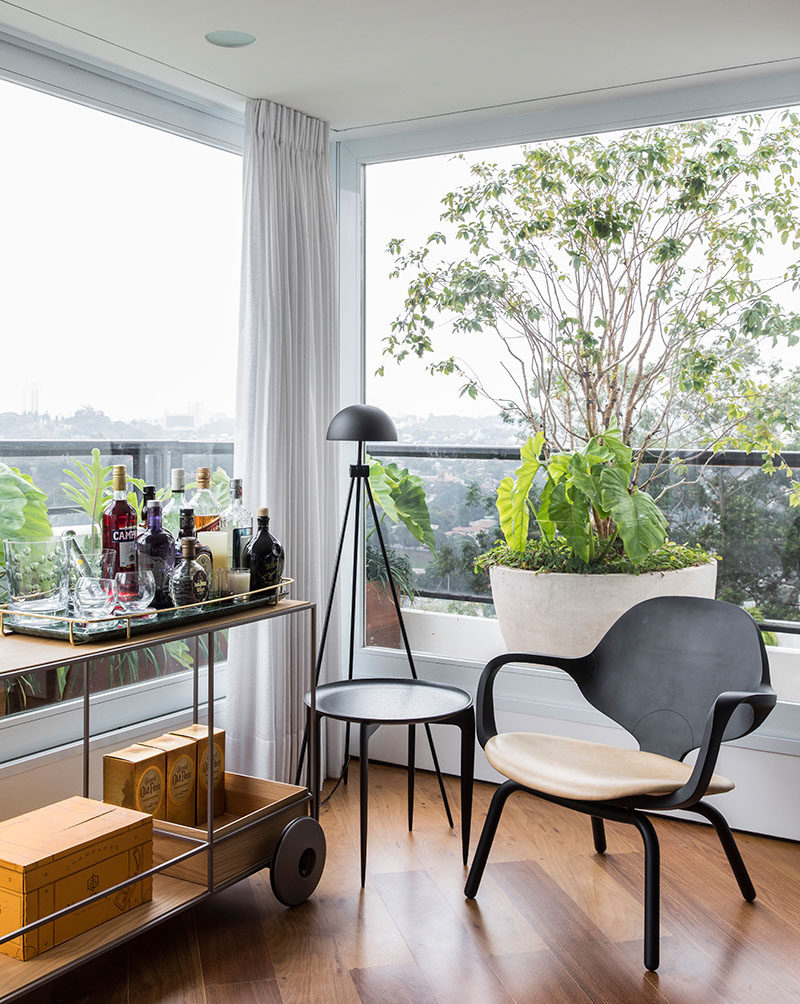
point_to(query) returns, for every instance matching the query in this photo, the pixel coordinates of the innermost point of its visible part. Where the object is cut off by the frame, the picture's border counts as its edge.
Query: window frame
(703, 96)
(103, 88)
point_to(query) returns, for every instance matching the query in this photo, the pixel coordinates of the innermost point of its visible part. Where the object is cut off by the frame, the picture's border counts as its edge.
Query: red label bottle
(119, 524)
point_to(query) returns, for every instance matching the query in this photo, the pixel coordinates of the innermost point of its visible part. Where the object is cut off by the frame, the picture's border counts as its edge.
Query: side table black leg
(363, 770)
(411, 767)
(466, 722)
(315, 762)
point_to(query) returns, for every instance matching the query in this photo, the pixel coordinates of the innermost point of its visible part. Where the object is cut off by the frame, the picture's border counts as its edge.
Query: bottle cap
(236, 487)
(118, 481)
(178, 479)
(203, 477)
(148, 492)
(153, 504)
(262, 512)
(189, 547)
(187, 510)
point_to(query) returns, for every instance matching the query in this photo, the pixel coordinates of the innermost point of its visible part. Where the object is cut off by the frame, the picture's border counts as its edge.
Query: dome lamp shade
(362, 423)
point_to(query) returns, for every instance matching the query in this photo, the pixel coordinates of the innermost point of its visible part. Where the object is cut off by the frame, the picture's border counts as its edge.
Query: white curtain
(286, 393)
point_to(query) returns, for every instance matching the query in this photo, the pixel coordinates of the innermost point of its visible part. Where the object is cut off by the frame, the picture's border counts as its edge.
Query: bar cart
(266, 823)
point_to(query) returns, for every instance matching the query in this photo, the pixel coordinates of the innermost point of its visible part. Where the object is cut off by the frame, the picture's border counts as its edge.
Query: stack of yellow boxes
(168, 776)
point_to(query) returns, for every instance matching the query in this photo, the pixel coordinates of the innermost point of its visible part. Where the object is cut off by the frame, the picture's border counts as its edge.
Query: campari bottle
(264, 556)
(155, 552)
(119, 524)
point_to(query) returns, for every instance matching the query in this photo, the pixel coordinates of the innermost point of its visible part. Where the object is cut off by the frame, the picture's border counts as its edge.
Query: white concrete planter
(557, 613)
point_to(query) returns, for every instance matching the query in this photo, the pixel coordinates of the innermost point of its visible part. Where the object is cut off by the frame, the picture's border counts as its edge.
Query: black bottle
(148, 495)
(263, 555)
(203, 558)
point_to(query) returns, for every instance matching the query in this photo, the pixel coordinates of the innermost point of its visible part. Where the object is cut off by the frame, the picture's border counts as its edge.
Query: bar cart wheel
(297, 861)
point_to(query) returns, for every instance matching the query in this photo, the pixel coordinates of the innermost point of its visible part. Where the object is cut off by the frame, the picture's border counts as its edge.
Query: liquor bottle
(202, 553)
(264, 556)
(155, 552)
(148, 493)
(119, 524)
(238, 522)
(188, 582)
(171, 513)
(206, 510)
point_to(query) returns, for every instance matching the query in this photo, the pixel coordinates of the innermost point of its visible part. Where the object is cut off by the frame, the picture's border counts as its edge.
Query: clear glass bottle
(238, 521)
(203, 553)
(155, 552)
(206, 510)
(264, 556)
(171, 513)
(188, 582)
(119, 524)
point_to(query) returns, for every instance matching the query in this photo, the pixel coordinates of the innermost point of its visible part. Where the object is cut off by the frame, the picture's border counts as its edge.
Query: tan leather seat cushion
(572, 768)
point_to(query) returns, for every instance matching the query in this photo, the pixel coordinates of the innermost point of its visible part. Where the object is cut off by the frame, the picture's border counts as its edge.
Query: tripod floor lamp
(361, 424)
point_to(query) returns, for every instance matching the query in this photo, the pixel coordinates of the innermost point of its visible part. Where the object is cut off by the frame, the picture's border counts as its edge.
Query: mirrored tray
(77, 630)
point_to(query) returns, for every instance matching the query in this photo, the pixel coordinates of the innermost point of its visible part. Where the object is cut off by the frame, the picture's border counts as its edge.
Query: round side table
(370, 703)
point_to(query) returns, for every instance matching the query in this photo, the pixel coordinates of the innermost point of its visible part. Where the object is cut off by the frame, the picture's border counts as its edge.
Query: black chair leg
(466, 724)
(599, 834)
(411, 761)
(487, 836)
(720, 824)
(652, 893)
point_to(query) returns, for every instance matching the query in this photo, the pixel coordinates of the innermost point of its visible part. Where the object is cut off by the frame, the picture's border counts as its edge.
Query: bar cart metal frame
(295, 859)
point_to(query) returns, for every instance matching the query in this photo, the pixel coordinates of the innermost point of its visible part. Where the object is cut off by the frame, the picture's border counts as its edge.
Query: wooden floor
(553, 922)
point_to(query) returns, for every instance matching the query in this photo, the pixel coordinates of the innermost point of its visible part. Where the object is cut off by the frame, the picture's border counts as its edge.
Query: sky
(119, 268)
(119, 263)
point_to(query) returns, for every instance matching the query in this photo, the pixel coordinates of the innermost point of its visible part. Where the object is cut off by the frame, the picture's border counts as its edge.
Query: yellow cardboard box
(135, 778)
(181, 776)
(199, 733)
(61, 854)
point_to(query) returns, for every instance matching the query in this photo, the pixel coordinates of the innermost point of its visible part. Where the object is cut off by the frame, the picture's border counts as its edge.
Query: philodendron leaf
(588, 481)
(546, 525)
(612, 448)
(413, 510)
(512, 496)
(569, 510)
(641, 525)
(382, 486)
(23, 509)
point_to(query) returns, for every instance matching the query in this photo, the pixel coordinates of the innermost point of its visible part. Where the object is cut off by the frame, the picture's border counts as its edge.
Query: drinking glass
(135, 591)
(38, 575)
(95, 597)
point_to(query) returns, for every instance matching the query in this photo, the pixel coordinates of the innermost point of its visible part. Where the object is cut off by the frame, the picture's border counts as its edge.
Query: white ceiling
(362, 62)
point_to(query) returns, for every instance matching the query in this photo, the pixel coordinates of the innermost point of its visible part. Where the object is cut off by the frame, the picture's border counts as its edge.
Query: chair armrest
(484, 701)
(761, 701)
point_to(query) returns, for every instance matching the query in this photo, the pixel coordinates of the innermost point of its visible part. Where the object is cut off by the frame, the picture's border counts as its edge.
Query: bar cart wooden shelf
(266, 823)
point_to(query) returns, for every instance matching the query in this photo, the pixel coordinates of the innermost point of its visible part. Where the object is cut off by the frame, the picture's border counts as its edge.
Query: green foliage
(617, 280)
(401, 495)
(587, 503)
(540, 555)
(23, 509)
(400, 565)
(91, 490)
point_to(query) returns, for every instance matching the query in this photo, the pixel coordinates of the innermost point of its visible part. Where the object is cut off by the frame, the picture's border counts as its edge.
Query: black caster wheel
(297, 861)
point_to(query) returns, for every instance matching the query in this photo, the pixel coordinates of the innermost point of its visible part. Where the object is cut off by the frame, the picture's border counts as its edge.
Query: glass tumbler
(38, 575)
(95, 597)
(135, 591)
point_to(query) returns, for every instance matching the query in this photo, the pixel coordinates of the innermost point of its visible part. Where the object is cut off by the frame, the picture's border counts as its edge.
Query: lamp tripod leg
(409, 656)
(326, 623)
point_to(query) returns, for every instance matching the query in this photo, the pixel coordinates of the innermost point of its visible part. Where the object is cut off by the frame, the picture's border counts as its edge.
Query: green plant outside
(91, 490)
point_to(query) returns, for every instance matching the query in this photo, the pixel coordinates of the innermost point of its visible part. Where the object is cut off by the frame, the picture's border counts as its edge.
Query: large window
(743, 512)
(119, 251)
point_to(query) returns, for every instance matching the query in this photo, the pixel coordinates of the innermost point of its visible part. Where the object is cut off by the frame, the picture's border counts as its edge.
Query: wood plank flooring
(553, 922)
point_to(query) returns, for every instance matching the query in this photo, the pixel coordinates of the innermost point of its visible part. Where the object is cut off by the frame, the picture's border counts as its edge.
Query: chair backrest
(661, 666)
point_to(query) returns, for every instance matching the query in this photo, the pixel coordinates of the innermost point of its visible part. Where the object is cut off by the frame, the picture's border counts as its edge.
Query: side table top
(388, 700)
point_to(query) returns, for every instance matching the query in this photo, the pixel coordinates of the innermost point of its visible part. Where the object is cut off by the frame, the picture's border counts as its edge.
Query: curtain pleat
(286, 394)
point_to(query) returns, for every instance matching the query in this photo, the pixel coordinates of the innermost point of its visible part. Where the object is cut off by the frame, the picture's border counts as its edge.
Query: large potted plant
(599, 546)
(618, 281)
